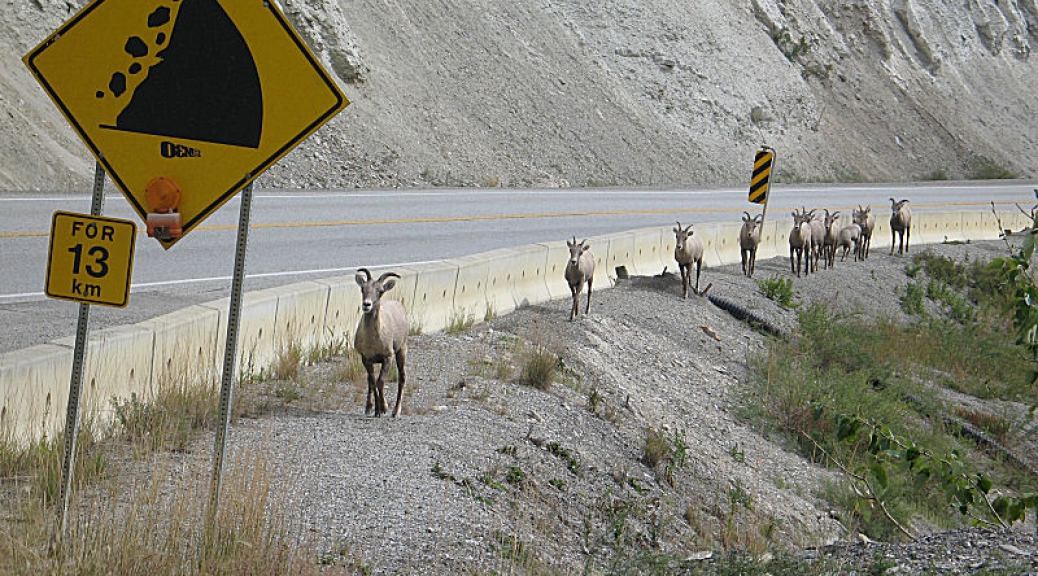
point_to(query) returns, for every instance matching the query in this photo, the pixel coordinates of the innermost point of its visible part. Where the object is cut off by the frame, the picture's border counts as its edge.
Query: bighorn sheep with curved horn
(749, 239)
(688, 249)
(381, 337)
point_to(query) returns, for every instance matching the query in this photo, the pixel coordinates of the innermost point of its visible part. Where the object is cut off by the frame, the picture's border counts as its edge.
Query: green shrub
(778, 289)
(912, 299)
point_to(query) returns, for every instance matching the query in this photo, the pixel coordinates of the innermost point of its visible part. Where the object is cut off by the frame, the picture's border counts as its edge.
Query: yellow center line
(446, 219)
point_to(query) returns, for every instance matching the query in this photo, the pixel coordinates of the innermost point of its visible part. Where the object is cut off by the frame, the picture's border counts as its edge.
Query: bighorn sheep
(817, 238)
(867, 222)
(749, 239)
(832, 235)
(381, 336)
(579, 269)
(799, 242)
(688, 249)
(900, 225)
(849, 238)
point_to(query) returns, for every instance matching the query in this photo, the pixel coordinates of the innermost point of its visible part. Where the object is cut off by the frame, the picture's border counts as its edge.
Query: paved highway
(302, 235)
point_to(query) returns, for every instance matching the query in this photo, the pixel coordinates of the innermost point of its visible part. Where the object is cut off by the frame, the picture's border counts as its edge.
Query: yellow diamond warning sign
(204, 93)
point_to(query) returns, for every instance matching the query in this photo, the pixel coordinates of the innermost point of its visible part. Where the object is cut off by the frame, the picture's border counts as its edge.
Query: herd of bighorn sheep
(381, 335)
(816, 237)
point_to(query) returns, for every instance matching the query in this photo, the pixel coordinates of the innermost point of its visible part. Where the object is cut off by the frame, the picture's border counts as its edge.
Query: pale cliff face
(617, 92)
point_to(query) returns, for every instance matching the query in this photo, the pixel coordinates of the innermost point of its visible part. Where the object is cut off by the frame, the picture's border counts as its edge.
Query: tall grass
(157, 527)
(844, 369)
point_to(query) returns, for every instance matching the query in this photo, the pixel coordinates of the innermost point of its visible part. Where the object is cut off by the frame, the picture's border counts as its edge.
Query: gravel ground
(479, 468)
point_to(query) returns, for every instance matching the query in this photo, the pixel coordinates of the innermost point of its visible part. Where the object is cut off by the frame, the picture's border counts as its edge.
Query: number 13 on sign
(90, 259)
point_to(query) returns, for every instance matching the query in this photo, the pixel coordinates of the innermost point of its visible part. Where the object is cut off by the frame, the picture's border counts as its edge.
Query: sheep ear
(360, 279)
(388, 285)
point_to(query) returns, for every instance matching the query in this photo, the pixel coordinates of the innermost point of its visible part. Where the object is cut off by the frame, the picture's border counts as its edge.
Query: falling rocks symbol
(205, 87)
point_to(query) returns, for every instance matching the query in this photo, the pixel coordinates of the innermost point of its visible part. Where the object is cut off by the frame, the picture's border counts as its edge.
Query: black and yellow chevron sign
(761, 176)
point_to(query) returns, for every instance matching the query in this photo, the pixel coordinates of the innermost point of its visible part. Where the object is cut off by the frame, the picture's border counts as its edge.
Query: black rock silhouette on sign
(206, 86)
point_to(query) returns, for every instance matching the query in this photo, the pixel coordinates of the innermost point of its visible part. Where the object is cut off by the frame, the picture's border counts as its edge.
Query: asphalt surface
(303, 235)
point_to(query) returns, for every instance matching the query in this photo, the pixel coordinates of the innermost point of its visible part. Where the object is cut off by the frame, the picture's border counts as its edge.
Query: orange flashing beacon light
(163, 197)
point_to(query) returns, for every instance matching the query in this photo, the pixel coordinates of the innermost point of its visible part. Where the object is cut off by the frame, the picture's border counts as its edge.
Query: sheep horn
(746, 216)
(365, 271)
(383, 277)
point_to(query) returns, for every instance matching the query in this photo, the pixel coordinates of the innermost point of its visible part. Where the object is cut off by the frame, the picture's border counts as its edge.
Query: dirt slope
(480, 466)
(619, 92)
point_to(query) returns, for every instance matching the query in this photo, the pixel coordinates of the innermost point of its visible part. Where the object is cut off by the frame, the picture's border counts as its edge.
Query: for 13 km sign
(90, 259)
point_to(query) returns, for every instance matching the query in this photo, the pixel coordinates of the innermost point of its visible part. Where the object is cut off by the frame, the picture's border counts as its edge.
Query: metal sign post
(229, 357)
(75, 392)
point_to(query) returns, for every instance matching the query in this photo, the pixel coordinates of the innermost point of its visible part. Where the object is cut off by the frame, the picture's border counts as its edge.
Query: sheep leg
(745, 264)
(908, 236)
(369, 367)
(574, 308)
(685, 273)
(753, 262)
(587, 308)
(380, 389)
(401, 356)
(699, 268)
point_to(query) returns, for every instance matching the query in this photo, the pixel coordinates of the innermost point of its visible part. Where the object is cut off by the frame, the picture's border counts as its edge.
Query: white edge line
(136, 287)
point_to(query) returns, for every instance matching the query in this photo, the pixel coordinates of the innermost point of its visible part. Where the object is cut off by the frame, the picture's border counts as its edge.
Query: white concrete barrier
(620, 254)
(649, 257)
(555, 269)
(727, 243)
(299, 320)
(118, 365)
(602, 246)
(34, 386)
(185, 347)
(470, 292)
(343, 311)
(433, 305)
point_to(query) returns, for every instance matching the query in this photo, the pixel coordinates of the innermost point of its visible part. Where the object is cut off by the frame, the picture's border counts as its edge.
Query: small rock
(1013, 550)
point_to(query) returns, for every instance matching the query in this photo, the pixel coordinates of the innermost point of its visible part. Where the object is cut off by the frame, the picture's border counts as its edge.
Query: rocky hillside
(618, 92)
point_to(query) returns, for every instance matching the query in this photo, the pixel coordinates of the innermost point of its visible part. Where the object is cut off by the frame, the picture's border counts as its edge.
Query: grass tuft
(539, 367)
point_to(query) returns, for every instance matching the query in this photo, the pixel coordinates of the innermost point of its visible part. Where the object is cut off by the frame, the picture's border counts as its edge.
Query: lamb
(867, 222)
(849, 238)
(381, 336)
(688, 249)
(749, 239)
(900, 224)
(579, 269)
(799, 241)
(832, 234)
